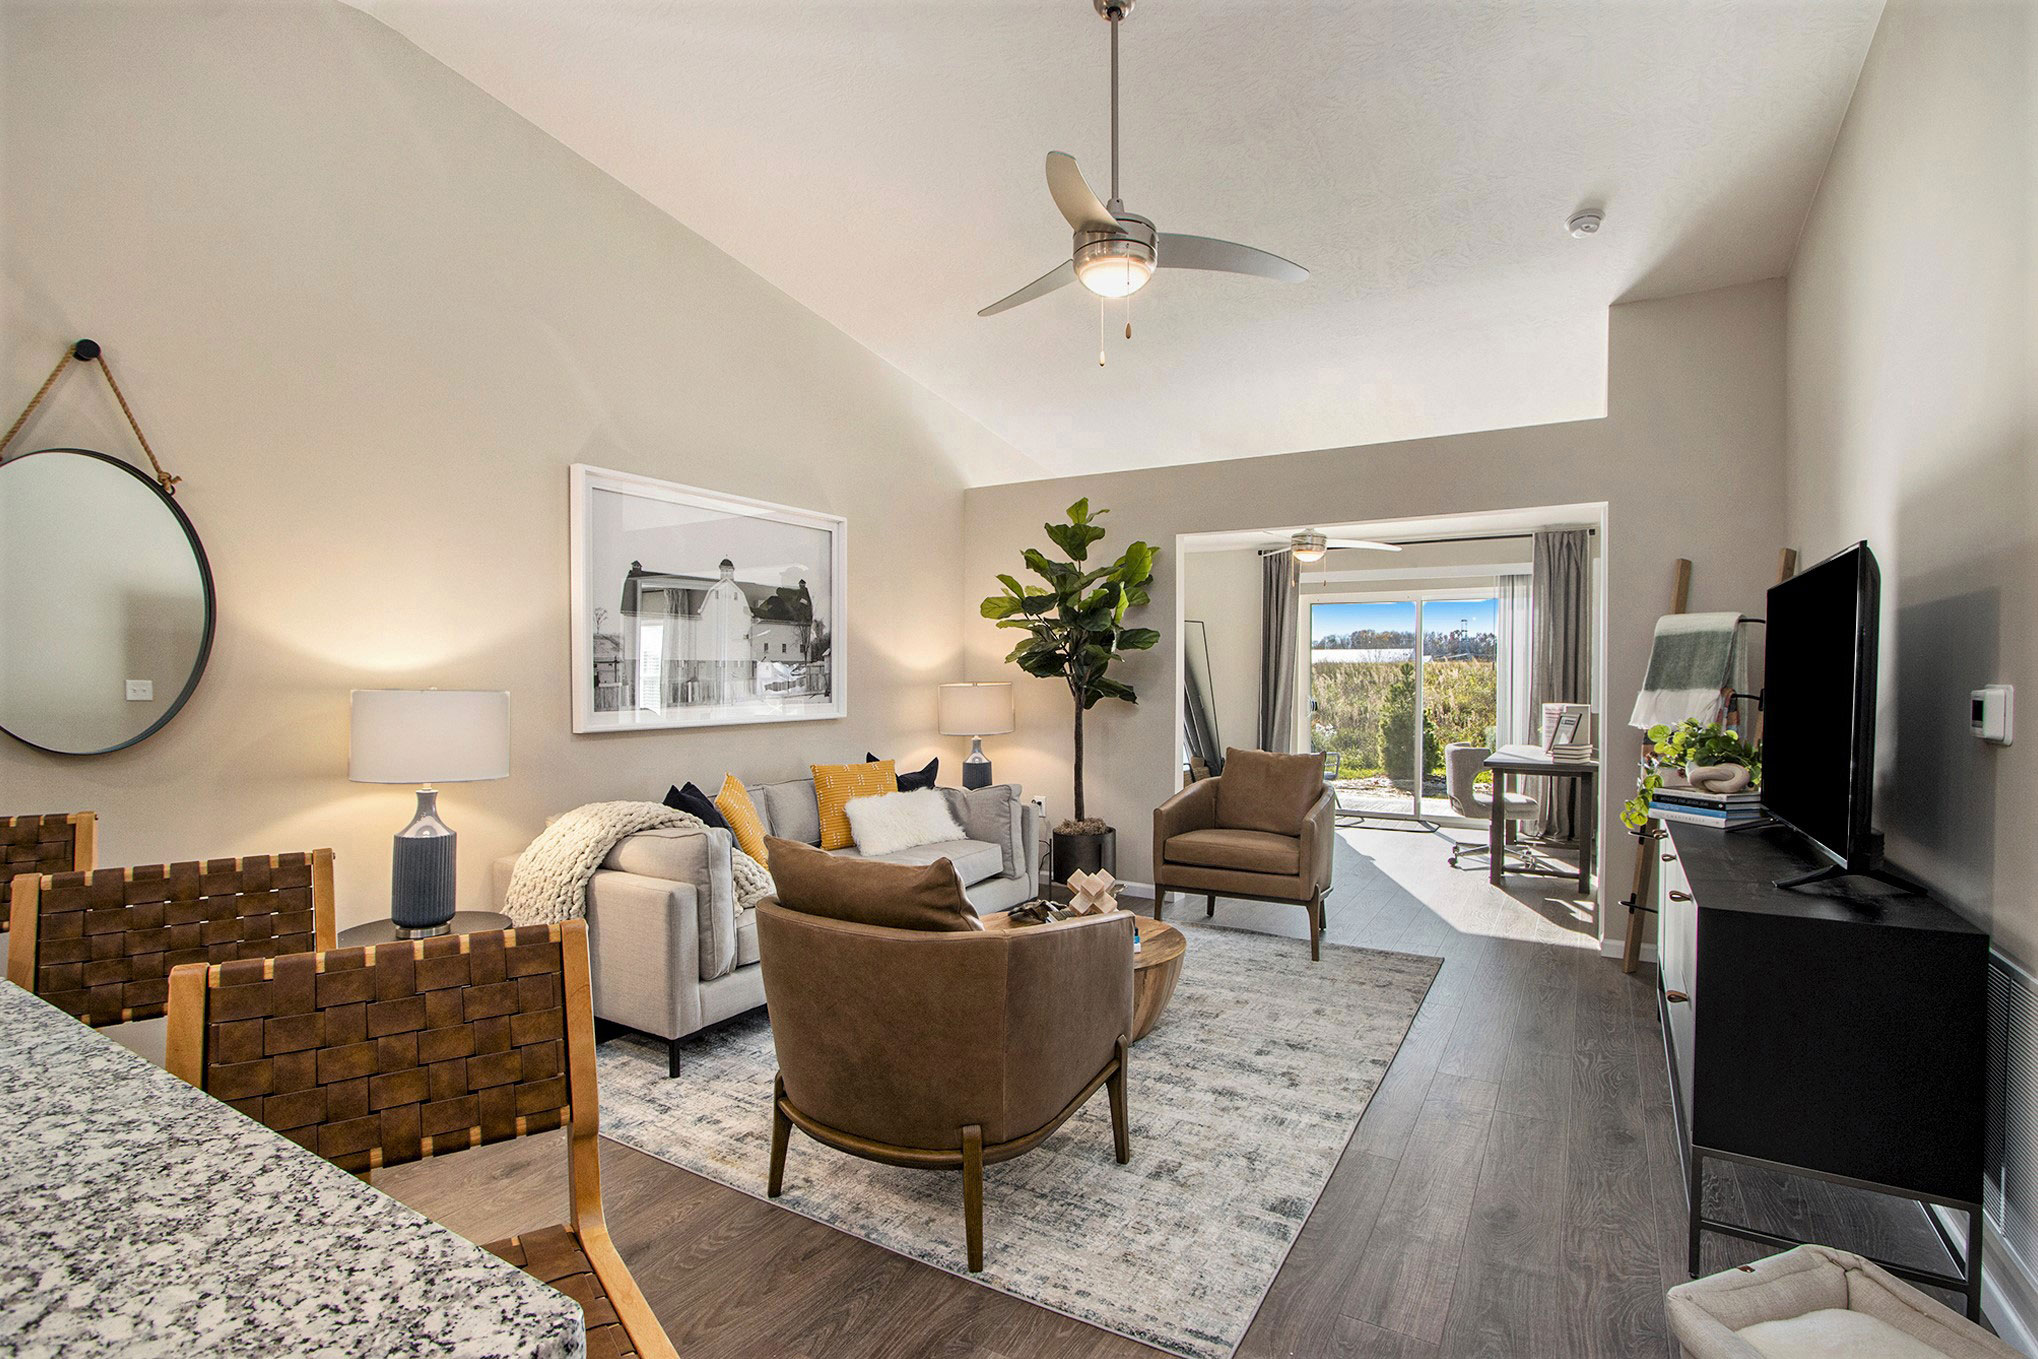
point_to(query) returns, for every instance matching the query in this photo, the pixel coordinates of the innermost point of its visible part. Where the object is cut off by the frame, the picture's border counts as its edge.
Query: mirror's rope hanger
(88, 351)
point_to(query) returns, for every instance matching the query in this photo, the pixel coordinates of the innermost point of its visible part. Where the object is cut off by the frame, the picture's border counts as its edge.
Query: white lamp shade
(976, 709)
(420, 736)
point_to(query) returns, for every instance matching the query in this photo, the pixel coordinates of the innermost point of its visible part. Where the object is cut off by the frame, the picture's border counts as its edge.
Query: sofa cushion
(1248, 851)
(789, 810)
(1266, 792)
(994, 815)
(836, 784)
(869, 891)
(974, 860)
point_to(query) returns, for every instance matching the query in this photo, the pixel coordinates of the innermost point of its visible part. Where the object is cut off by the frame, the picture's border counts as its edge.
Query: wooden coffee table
(1155, 970)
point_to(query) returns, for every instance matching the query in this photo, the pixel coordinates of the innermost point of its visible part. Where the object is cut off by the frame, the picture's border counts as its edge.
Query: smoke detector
(1586, 223)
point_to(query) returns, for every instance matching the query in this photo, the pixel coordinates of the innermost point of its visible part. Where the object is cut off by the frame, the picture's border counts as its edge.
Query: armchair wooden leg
(973, 1194)
(781, 1132)
(1121, 1129)
(1316, 929)
(1160, 899)
(1210, 906)
(671, 1059)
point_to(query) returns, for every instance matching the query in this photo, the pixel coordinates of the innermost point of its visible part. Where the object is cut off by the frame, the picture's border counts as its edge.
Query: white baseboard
(1614, 948)
(2009, 1293)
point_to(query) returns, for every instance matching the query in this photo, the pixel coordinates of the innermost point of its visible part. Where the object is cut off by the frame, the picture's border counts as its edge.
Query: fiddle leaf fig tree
(1075, 622)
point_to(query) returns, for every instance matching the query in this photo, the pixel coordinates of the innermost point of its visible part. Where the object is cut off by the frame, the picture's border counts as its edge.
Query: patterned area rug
(1242, 1098)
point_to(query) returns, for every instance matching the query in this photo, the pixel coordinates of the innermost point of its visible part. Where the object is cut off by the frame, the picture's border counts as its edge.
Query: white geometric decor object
(1095, 892)
(691, 608)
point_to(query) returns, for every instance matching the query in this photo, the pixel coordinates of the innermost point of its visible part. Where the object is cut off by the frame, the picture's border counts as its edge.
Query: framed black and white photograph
(692, 608)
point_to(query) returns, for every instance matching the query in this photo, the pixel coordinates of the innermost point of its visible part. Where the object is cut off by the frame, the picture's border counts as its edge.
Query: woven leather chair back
(372, 1057)
(100, 945)
(56, 842)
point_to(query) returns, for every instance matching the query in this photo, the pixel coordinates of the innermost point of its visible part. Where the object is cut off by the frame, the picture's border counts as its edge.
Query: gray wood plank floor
(1513, 1189)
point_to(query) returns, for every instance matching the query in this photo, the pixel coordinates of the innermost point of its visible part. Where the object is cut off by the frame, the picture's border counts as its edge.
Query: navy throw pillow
(692, 799)
(909, 781)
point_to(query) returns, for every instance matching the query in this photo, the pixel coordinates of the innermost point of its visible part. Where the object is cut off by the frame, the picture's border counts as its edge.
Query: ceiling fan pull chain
(1103, 327)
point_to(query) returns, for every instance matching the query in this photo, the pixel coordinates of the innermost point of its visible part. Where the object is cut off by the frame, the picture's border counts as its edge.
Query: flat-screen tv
(1818, 706)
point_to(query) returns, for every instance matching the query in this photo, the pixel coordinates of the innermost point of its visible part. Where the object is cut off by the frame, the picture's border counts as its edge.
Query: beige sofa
(670, 953)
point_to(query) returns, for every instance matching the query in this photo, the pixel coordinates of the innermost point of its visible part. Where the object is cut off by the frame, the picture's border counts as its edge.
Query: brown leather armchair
(1262, 830)
(936, 1049)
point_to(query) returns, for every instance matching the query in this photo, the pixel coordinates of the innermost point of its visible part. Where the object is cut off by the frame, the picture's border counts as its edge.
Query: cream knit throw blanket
(550, 880)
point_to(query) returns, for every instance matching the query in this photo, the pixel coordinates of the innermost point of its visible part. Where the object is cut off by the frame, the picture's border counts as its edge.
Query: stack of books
(1568, 731)
(1706, 809)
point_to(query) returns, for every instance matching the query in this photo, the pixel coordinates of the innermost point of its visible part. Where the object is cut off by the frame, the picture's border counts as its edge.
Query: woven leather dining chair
(53, 842)
(100, 946)
(379, 1056)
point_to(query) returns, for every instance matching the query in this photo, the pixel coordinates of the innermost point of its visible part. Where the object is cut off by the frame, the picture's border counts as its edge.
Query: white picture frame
(693, 608)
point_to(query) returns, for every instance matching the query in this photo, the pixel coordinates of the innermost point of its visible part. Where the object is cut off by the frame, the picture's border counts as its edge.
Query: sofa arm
(643, 946)
(700, 857)
(1319, 839)
(1029, 847)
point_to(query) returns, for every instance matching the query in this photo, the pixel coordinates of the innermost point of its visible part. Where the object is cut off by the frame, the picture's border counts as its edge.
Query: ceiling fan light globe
(1114, 275)
(1309, 547)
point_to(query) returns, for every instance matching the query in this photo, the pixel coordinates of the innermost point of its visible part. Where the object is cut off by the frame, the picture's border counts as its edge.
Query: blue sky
(1476, 615)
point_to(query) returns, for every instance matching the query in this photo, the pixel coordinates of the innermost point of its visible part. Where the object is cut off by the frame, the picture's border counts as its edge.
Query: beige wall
(1223, 589)
(1688, 460)
(371, 316)
(1912, 372)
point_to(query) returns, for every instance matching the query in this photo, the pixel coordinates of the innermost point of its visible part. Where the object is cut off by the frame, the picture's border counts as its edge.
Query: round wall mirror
(106, 608)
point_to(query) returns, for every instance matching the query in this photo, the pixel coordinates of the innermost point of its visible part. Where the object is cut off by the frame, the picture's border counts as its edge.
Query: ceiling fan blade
(1060, 276)
(1366, 543)
(1072, 194)
(1225, 257)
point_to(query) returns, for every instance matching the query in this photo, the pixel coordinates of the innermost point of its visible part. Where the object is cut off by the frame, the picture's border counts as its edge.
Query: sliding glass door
(1391, 682)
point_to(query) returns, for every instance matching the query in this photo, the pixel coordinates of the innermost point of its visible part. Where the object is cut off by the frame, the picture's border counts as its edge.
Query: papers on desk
(1565, 755)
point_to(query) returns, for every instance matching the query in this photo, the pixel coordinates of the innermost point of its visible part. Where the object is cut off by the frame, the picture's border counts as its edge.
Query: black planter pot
(1087, 853)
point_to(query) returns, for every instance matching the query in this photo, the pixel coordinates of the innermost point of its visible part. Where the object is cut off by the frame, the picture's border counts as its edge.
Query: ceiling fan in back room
(1115, 252)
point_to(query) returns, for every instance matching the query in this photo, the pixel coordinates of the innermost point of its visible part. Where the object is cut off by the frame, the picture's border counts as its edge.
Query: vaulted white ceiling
(880, 161)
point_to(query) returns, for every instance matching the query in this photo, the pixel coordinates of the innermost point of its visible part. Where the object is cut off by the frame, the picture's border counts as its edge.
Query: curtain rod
(1472, 538)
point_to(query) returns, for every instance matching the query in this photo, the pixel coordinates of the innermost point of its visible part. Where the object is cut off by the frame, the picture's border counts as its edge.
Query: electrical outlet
(141, 691)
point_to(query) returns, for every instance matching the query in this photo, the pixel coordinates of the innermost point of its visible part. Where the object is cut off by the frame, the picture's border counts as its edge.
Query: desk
(1519, 761)
(145, 1218)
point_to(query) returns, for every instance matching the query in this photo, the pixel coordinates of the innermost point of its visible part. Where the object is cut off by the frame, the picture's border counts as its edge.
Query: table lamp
(426, 737)
(976, 711)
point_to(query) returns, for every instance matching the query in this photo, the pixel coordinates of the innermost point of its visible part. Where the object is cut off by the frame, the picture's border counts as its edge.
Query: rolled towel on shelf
(1695, 658)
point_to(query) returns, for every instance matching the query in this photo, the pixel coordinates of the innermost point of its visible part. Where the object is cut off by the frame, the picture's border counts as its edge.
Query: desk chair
(1462, 763)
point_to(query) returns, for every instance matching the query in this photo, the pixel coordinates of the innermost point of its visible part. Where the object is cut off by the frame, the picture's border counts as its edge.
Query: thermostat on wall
(1988, 713)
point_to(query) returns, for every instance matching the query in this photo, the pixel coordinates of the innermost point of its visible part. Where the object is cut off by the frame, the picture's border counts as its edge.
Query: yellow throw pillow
(734, 803)
(835, 784)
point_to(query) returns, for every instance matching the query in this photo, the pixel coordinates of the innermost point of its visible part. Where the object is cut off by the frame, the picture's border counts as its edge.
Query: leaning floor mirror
(1199, 716)
(106, 603)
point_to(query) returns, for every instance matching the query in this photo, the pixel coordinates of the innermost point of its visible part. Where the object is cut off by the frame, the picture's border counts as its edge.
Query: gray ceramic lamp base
(976, 769)
(421, 879)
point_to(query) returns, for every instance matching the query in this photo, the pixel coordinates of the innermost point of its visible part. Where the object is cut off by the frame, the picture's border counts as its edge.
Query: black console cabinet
(1837, 1031)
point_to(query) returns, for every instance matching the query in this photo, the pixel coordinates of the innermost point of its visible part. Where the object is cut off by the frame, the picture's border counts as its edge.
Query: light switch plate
(140, 691)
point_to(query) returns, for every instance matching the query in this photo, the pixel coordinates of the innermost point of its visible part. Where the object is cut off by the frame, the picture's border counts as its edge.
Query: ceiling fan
(1115, 251)
(1309, 546)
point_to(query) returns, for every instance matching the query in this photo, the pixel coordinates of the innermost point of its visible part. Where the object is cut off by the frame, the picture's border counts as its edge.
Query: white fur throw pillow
(891, 822)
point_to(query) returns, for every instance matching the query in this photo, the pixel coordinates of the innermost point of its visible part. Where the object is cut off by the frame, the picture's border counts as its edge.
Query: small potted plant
(1692, 754)
(1075, 632)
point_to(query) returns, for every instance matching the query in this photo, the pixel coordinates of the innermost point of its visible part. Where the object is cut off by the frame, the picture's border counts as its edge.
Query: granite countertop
(140, 1217)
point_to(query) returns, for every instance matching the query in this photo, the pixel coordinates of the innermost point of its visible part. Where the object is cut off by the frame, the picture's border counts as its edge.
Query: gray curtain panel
(1560, 668)
(1277, 652)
